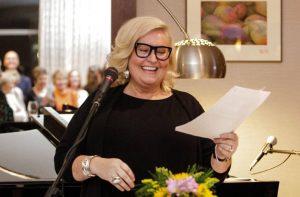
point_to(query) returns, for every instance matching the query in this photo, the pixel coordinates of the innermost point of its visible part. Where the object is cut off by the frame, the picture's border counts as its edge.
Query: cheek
(60, 83)
(165, 64)
(44, 83)
(76, 81)
(134, 61)
(41, 81)
(8, 86)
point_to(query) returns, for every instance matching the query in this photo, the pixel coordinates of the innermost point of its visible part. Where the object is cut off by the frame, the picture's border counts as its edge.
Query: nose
(152, 57)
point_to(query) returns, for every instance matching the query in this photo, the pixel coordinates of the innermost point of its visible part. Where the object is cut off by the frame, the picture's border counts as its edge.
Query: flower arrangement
(193, 183)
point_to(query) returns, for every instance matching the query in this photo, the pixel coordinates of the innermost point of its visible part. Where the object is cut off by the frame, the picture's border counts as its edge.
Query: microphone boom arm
(291, 152)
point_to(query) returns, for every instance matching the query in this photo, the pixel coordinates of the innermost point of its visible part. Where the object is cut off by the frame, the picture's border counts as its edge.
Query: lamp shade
(197, 58)
(200, 62)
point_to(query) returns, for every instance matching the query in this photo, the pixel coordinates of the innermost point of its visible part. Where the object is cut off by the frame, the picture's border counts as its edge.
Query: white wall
(278, 116)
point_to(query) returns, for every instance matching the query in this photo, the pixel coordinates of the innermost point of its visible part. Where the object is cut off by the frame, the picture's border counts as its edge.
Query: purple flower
(180, 186)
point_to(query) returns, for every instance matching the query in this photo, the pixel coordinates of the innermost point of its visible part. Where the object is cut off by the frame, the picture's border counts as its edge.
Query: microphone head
(111, 72)
(272, 140)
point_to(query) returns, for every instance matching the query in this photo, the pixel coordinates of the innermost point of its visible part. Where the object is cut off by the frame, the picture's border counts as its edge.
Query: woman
(6, 113)
(63, 95)
(13, 95)
(11, 61)
(94, 78)
(39, 91)
(74, 83)
(134, 131)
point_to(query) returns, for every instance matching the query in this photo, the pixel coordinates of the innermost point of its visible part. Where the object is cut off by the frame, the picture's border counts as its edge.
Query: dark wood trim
(121, 11)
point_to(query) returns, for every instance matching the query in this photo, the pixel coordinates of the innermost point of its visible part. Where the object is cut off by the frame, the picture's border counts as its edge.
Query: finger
(227, 147)
(126, 179)
(119, 187)
(124, 185)
(128, 171)
(230, 135)
(223, 152)
(233, 140)
(227, 142)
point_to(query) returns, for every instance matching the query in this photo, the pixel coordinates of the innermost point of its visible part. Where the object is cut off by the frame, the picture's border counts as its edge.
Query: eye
(162, 50)
(143, 48)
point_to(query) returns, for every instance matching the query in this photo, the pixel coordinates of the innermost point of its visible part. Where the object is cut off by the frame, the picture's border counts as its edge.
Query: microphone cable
(254, 173)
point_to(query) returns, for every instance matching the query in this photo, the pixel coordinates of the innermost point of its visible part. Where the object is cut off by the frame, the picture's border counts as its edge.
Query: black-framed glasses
(144, 50)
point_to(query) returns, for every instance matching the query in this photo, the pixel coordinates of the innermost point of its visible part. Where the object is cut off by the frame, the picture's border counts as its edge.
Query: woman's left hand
(226, 145)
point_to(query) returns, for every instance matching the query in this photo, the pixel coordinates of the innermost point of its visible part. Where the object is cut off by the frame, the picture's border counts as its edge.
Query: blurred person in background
(40, 92)
(74, 82)
(11, 61)
(94, 78)
(63, 95)
(13, 94)
(6, 113)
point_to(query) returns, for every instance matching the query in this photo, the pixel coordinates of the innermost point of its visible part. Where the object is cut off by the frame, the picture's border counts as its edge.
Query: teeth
(150, 68)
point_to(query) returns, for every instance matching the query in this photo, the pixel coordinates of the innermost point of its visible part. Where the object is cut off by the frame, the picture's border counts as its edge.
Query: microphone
(271, 141)
(110, 75)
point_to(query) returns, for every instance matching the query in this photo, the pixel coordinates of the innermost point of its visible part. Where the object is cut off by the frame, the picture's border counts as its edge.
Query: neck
(151, 93)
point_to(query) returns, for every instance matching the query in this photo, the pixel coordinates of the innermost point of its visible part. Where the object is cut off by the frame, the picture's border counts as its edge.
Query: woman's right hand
(110, 168)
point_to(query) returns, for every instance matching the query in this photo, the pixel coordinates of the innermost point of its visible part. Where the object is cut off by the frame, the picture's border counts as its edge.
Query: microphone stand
(290, 152)
(71, 152)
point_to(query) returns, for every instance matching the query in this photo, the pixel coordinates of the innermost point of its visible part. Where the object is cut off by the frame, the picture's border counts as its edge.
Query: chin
(152, 82)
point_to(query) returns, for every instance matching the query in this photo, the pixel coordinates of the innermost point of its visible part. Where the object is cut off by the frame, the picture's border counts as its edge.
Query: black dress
(142, 134)
(31, 96)
(6, 114)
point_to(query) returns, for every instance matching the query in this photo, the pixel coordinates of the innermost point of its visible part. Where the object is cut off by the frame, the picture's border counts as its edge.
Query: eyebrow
(152, 45)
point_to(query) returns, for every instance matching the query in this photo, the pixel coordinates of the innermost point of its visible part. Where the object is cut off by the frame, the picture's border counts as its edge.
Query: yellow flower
(166, 184)
(154, 184)
(162, 192)
(203, 191)
(145, 181)
(180, 176)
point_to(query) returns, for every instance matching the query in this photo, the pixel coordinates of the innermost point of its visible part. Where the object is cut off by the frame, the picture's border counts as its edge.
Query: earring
(126, 74)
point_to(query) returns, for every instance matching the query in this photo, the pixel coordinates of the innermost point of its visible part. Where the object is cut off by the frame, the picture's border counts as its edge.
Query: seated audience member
(62, 94)
(11, 61)
(39, 91)
(94, 78)
(6, 113)
(13, 95)
(74, 82)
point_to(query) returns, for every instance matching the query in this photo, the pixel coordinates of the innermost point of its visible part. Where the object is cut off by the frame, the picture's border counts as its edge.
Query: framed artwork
(244, 30)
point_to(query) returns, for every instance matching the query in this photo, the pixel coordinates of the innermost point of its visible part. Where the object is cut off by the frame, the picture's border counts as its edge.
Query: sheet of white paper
(227, 114)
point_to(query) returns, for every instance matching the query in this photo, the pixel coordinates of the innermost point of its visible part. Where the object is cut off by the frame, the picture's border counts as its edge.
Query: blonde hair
(59, 73)
(9, 76)
(125, 40)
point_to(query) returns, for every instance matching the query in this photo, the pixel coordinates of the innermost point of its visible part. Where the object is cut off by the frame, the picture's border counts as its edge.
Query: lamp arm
(175, 19)
(292, 152)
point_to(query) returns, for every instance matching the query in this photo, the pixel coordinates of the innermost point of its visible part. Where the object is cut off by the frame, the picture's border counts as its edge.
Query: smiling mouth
(149, 68)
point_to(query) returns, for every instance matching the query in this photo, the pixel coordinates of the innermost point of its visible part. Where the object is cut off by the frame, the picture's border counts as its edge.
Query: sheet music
(63, 120)
(227, 114)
